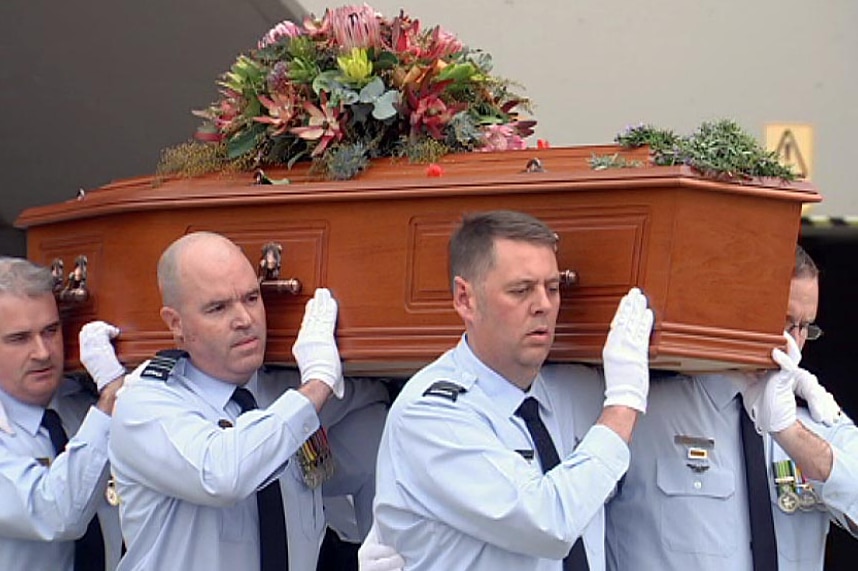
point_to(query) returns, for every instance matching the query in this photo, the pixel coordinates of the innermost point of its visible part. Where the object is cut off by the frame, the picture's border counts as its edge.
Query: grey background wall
(92, 90)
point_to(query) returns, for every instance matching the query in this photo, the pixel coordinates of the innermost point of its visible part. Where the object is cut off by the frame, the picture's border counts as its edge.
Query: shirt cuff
(839, 491)
(605, 445)
(297, 412)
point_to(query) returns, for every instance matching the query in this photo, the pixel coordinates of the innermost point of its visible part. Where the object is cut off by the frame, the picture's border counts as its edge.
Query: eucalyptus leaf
(372, 90)
(385, 106)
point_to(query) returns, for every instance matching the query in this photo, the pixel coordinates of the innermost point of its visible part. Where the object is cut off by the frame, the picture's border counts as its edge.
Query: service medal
(111, 494)
(788, 501)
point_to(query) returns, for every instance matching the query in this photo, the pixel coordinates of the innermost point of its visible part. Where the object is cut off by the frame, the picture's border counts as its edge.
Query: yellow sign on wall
(793, 143)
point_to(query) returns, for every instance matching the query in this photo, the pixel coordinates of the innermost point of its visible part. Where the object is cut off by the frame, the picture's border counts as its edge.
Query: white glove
(769, 398)
(626, 353)
(97, 353)
(315, 349)
(375, 556)
(823, 407)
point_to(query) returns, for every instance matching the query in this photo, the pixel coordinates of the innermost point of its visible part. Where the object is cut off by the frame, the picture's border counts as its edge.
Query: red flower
(434, 170)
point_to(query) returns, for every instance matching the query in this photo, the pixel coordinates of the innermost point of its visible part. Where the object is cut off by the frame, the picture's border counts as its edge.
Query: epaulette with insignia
(447, 389)
(162, 363)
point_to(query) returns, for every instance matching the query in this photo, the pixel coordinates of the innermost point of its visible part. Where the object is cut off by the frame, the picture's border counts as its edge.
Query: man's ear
(463, 298)
(173, 321)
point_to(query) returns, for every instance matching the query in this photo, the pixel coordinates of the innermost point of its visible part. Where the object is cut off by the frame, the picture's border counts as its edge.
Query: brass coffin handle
(74, 289)
(268, 271)
(568, 278)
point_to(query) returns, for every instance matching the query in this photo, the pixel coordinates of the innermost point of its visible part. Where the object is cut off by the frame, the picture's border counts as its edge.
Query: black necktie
(548, 458)
(764, 549)
(273, 542)
(89, 549)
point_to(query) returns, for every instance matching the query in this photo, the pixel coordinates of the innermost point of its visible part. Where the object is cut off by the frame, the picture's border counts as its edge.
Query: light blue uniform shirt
(344, 502)
(669, 515)
(455, 489)
(187, 486)
(44, 509)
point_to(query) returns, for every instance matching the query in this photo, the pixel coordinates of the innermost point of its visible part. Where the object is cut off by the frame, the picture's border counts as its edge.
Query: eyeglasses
(811, 330)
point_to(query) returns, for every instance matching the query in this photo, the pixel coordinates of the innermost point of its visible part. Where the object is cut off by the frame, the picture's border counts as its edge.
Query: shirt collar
(26, 416)
(214, 391)
(506, 396)
(720, 388)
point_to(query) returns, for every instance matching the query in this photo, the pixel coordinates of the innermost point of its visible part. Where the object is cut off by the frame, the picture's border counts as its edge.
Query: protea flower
(404, 37)
(284, 29)
(356, 27)
(323, 125)
(442, 45)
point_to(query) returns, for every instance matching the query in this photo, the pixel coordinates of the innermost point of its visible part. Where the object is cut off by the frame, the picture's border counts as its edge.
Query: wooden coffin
(715, 258)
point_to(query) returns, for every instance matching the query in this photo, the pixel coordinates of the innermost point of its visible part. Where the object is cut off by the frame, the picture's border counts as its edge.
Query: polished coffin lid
(714, 257)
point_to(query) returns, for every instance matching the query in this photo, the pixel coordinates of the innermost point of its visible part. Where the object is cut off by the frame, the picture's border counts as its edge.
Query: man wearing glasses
(697, 496)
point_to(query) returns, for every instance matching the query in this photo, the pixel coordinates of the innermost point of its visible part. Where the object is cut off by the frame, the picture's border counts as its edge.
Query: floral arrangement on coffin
(350, 87)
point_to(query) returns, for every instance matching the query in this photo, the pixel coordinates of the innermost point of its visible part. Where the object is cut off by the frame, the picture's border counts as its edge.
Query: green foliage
(615, 161)
(716, 149)
(345, 161)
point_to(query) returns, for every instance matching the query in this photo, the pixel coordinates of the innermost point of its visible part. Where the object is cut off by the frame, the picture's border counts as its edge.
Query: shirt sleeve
(158, 438)
(56, 502)
(840, 491)
(453, 468)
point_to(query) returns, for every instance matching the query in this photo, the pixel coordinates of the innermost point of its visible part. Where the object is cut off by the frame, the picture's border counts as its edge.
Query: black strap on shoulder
(445, 389)
(162, 364)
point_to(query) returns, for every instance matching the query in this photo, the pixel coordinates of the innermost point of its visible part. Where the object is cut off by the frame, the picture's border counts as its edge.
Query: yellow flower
(356, 67)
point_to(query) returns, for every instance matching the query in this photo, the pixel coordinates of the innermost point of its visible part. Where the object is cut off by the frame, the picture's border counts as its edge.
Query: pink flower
(356, 27)
(501, 138)
(281, 110)
(284, 29)
(443, 44)
(404, 37)
(323, 125)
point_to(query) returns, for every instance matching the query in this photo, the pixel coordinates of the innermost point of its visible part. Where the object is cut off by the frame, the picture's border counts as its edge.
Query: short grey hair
(804, 267)
(24, 278)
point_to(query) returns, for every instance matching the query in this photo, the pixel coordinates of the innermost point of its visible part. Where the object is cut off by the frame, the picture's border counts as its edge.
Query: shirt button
(698, 484)
(306, 429)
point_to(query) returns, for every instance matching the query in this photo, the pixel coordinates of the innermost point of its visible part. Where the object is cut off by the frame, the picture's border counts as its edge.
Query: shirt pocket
(304, 510)
(697, 511)
(801, 536)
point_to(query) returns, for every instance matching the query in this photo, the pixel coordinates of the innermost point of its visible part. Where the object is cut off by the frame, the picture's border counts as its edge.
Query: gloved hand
(315, 349)
(97, 353)
(625, 355)
(823, 407)
(769, 398)
(375, 556)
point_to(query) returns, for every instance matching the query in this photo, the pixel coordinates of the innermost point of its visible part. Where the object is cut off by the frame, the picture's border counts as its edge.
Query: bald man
(200, 469)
